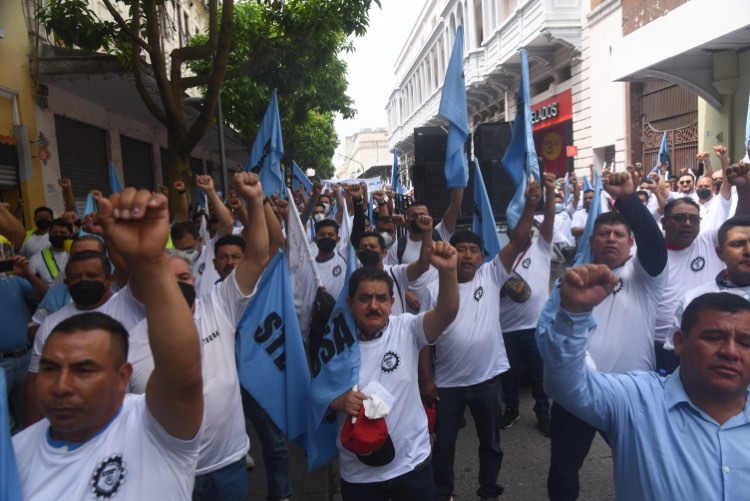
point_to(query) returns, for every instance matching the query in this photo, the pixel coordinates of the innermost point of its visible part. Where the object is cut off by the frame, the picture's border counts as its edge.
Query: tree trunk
(178, 168)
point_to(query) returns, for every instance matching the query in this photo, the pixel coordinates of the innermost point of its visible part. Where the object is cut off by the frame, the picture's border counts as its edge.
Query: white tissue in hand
(379, 401)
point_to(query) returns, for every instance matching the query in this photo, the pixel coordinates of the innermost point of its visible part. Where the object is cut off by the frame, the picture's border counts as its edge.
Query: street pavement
(524, 471)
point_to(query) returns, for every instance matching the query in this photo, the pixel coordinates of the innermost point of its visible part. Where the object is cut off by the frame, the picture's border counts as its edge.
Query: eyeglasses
(681, 218)
(686, 182)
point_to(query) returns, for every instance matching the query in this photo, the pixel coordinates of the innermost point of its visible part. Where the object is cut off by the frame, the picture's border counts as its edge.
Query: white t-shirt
(204, 270)
(579, 218)
(561, 229)
(471, 349)
(534, 267)
(392, 360)
(133, 458)
(413, 247)
(400, 286)
(217, 313)
(122, 306)
(332, 273)
(623, 339)
(34, 245)
(39, 267)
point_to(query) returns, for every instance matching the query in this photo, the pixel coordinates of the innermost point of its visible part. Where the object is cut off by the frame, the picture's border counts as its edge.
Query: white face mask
(318, 217)
(558, 208)
(387, 237)
(326, 207)
(191, 255)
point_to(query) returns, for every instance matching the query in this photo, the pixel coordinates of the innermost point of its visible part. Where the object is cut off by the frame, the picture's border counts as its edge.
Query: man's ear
(679, 341)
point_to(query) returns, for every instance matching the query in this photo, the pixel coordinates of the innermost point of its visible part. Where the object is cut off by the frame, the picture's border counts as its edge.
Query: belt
(19, 352)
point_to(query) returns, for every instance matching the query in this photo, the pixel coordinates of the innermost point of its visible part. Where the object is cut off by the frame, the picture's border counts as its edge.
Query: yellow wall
(16, 77)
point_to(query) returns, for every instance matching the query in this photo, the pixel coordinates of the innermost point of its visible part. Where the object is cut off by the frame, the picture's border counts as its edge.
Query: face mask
(43, 223)
(717, 185)
(318, 217)
(326, 245)
(326, 207)
(387, 237)
(57, 241)
(188, 292)
(413, 226)
(369, 257)
(190, 255)
(558, 208)
(87, 293)
(703, 193)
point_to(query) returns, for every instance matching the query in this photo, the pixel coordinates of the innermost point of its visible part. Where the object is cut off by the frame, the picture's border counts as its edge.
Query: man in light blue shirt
(680, 437)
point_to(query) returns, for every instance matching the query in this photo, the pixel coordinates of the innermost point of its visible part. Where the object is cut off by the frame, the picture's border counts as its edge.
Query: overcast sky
(370, 71)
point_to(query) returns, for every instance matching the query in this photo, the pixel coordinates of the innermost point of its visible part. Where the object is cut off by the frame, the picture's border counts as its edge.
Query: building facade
(365, 149)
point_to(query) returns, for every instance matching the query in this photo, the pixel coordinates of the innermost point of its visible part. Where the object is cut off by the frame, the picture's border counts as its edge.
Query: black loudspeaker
(491, 140)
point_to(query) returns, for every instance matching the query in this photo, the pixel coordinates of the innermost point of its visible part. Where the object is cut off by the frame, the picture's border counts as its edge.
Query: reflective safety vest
(50, 263)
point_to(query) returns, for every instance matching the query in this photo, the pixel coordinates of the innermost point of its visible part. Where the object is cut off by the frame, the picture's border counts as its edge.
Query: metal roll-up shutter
(137, 163)
(8, 165)
(83, 156)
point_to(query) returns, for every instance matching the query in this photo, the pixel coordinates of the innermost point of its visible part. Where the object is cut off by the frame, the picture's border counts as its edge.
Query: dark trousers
(484, 404)
(416, 485)
(666, 360)
(521, 347)
(570, 441)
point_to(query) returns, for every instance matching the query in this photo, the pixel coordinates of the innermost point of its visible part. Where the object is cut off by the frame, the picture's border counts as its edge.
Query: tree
(289, 28)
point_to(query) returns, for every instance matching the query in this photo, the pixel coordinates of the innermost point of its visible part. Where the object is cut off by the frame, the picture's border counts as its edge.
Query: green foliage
(74, 24)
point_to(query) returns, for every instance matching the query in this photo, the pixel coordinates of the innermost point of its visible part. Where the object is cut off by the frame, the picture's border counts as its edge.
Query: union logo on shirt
(108, 476)
(618, 287)
(478, 294)
(526, 263)
(391, 361)
(337, 270)
(697, 264)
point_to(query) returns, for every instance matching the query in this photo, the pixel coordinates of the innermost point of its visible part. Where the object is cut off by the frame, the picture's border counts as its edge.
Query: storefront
(552, 123)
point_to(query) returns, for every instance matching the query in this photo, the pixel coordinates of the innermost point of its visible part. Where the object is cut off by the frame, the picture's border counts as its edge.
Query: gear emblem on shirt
(526, 263)
(391, 361)
(697, 264)
(201, 268)
(108, 476)
(478, 294)
(618, 287)
(337, 270)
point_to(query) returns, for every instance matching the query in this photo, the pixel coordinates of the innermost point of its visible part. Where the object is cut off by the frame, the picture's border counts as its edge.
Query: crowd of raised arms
(624, 294)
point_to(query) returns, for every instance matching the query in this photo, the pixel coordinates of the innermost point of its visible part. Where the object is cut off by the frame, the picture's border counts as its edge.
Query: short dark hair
(611, 218)
(94, 321)
(327, 222)
(93, 238)
(229, 240)
(588, 191)
(643, 192)
(729, 224)
(719, 301)
(369, 273)
(677, 201)
(181, 230)
(466, 236)
(63, 223)
(44, 209)
(381, 240)
(85, 256)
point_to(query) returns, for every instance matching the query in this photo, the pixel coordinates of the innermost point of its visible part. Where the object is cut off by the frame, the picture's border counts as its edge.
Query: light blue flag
(483, 222)
(10, 485)
(453, 108)
(90, 206)
(271, 357)
(299, 178)
(335, 370)
(369, 210)
(663, 157)
(520, 159)
(115, 186)
(584, 254)
(587, 184)
(566, 189)
(268, 148)
(203, 200)
(398, 188)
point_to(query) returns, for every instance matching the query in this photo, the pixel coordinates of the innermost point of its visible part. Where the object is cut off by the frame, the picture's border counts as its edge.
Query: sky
(371, 65)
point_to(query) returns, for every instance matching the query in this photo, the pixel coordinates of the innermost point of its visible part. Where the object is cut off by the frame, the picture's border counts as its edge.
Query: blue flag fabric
(10, 485)
(268, 148)
(271, 357)
(746, 158)
(203, 200)
(335, 370)
(90, 205)
(587, 183)
(664, 156)
(453, 108)
(398, 189)
(566, 189)
(584, 254)
(115, 186)
(483, 222)
(299, 178)
(520, 159)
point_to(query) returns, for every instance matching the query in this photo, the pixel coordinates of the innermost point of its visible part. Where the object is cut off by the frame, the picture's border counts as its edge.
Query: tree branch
(262, 55)
(124, 26)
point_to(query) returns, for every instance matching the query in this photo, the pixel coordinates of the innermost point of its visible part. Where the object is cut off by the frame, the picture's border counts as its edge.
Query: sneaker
(509, 417)
(249, 462)
(543, 424)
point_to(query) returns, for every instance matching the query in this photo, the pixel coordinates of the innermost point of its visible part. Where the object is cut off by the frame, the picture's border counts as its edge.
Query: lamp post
(353, 160)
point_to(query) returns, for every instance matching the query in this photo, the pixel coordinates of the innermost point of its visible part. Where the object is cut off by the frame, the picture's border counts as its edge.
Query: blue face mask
(558, 208)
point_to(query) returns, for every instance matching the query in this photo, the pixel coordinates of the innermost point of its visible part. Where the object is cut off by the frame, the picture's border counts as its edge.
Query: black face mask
(57, 241)
(326, 245)
(87, 293)
(369, 257)
(188, 292)
(703, 193)
(413, 226)
(43, 224)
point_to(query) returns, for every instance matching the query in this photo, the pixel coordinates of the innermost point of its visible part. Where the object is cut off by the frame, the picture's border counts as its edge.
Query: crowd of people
(118, 338)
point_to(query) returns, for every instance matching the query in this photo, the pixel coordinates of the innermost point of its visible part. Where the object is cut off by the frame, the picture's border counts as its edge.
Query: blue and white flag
(299, 178)
(268, 148)
(520, 159)
(584, 254)
(10, 485)
(453, 108)
(271, 357)
(115, 186)
(335, 370)
(483, 222)
(396, 185)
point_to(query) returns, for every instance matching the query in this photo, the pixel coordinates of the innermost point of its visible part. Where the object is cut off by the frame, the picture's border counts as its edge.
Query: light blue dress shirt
(664, 447)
